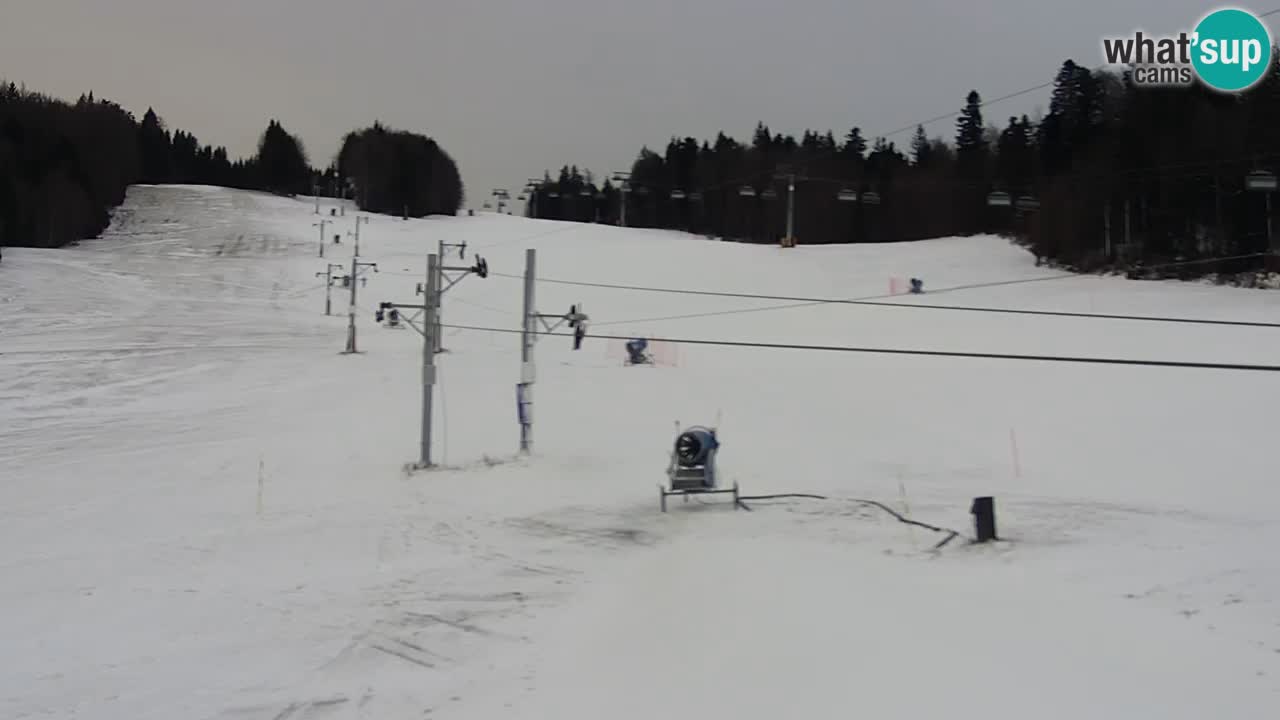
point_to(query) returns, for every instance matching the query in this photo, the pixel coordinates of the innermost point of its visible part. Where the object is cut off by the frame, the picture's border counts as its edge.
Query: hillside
(204, 511)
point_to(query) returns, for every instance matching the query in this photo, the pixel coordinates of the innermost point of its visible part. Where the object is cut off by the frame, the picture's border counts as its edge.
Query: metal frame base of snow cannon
(665, 493)
(692, 470)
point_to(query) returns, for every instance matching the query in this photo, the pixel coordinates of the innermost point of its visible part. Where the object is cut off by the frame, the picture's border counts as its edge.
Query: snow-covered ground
(204, 511)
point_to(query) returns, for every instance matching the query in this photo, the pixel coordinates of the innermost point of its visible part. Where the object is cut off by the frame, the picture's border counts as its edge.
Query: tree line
(1115, 174)
(65, 166)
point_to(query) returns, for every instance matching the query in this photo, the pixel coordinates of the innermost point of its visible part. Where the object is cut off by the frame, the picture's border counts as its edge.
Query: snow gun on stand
(692, 470)
(636, 352)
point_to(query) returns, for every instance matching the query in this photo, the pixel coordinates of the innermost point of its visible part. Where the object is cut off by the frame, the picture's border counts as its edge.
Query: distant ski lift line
(807, 301)
(898, 351)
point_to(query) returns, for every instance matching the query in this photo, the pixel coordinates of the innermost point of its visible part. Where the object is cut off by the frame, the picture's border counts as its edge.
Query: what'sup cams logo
(1229, 51)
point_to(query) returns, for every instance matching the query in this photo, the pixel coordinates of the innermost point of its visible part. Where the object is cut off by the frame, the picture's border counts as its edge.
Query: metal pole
(351, 312)
(328, 287)
(791, 208)
(315, 187)
(1127, 237)
(428, 356)
(623, 194)
(526, 352)
(1106, 227)
(1270, 238)
(439, 341)
(1217, 208)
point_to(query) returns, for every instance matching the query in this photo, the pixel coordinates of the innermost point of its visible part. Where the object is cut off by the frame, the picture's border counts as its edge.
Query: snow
(204, 510)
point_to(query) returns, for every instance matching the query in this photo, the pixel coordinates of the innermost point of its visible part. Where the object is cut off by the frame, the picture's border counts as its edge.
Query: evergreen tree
(971, 143)
(854, 144)
(282, 161)
(153, 143)
(921, 148)
(1014, 153)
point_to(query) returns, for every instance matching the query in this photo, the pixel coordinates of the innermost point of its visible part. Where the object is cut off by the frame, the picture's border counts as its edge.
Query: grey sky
(512, 87)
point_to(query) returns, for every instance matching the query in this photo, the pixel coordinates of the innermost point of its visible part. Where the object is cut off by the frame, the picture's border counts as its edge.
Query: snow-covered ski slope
(204, 513)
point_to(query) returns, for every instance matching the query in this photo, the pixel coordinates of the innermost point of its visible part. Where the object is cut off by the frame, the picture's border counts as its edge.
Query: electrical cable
(481, 306)
(783, 495)
(568, 228)
(951, 534)
(875, 301)
(899, 351)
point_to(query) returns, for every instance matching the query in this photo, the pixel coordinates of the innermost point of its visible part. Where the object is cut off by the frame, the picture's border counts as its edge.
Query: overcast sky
(513, 87)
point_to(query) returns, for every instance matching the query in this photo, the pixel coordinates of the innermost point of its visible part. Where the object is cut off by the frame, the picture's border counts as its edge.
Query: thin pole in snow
(1013, 449)
(328, 287)
(351, 311)
(527, 372)
(321, 225)
(1271, 245)
(429, 328)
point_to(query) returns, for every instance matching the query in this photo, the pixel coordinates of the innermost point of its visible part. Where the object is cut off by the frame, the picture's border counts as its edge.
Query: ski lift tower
(692, 470)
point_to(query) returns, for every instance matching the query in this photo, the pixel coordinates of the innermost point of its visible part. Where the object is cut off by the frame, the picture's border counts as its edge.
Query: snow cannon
(636, 354)
(917, 286)
(695, 448)
(692, 470)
